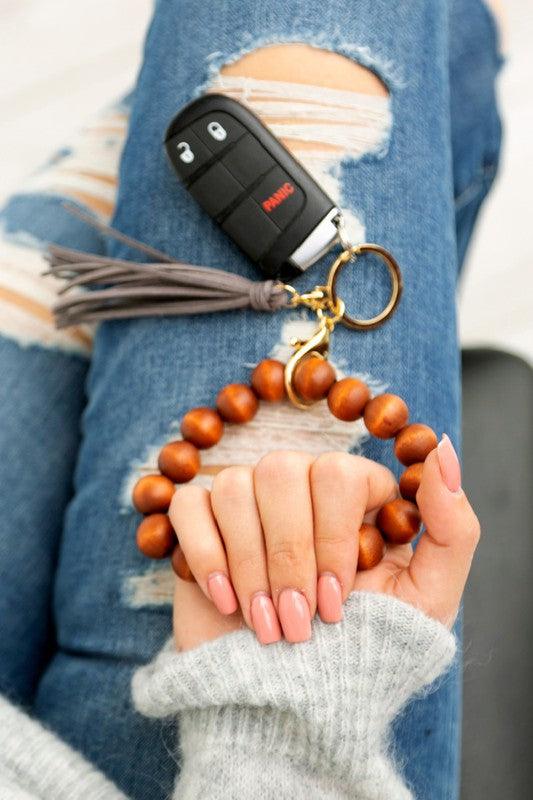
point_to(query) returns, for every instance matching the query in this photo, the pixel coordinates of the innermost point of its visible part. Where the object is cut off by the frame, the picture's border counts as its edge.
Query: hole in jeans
(326, 108)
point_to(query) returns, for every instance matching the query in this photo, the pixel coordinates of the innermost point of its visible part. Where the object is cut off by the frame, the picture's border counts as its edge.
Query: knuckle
(277, 462)
(246, 563)
(337, 465)
(186, 495)
(284, 557)
(231, 481)
(337, 541)
(349, 469)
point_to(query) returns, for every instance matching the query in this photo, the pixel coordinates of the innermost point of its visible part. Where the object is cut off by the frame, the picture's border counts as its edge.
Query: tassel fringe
(126, 289)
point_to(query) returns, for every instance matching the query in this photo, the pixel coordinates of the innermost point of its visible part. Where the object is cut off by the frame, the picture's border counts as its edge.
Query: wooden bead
(152, 493)
(385, 415)
(414, 442)
(202, 426)
(268, 380)
(410, 480)
(179, 461)
(371, 547)
(155, 536)
(347, 399)
(313, 378)
(236, 402)
(399, 521)
(180, 566)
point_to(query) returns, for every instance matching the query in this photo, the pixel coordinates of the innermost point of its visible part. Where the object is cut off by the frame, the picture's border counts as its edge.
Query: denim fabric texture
(42, 397)
(439, 62)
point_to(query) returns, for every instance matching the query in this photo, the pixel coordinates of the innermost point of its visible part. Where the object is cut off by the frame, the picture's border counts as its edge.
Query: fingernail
(221, 593)
(329, 598)
(265, 619)
(450, 469)
(294, 616)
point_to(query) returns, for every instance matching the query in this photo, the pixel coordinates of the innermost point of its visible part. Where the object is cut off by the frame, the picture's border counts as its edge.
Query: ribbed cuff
(36, 764)
(325, 703)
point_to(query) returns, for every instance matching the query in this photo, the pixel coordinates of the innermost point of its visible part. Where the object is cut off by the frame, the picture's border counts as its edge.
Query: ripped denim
(394, 161)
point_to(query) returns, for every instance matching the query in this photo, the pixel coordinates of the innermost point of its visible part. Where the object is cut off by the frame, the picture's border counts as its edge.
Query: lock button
(218, 130)
(187, 153)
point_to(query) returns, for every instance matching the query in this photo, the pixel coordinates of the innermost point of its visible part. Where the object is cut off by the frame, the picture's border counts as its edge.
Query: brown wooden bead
(313, 378)
(399, 521)
(155, 536)
(371, 547)
(268, 380)
(152, 493)
(410, 480)
(347, 399)
(414, 442)
(236, 402)
(202, 426)
(179, 461)
(385, 415)
(180, 566)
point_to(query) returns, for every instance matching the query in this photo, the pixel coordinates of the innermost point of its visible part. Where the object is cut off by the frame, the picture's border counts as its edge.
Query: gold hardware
(317, 345)
(330, 310)
(351, 254)
(328, 315)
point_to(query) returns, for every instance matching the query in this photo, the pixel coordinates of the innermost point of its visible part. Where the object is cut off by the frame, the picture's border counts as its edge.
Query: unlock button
(217, 130)
(188, 153)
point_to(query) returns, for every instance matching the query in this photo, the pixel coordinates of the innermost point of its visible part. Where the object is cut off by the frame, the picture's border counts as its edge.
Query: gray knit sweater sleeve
(36, 765)
(299, 721)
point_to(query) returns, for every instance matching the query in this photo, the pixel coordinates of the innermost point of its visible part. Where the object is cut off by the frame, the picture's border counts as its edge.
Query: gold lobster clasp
(330, 309)
(319, 300)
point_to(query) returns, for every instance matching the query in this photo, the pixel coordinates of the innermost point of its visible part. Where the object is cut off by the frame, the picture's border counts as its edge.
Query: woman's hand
(280, 540)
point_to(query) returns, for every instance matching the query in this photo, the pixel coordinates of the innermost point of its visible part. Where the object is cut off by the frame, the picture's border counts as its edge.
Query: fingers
(234, 505)
(344, 489)
(281, 483)
(442, 558)
(197, 531)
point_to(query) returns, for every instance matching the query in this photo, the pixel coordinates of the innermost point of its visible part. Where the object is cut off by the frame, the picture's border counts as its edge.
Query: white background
(61, 61)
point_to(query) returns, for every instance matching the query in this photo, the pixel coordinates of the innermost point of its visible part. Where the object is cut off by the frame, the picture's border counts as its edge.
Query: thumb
(441, 562)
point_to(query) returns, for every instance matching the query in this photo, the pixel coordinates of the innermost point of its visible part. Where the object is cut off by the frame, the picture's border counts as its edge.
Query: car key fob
(249, 183)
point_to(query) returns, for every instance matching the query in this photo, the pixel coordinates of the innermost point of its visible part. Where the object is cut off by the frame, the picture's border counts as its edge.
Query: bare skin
(309, 510)
(302, 63)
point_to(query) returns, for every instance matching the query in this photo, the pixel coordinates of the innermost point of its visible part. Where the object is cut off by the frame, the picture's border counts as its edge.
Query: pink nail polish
(329, 598)
(450, 469)
(294, 616)
(264, 619)
(221, 592)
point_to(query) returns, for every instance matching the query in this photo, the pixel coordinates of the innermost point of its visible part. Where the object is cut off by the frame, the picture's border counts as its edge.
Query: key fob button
(250, 227)
(279, 197)
(187, 153)
(248, 160)
(251, 185)
(215, 189)
(218, 130)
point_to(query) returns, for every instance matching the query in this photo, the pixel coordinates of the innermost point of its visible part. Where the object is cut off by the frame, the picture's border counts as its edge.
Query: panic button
(279, 197)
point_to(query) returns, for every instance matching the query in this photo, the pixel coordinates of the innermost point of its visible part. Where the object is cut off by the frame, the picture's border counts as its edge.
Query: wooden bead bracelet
(307, 378)
(313, 379)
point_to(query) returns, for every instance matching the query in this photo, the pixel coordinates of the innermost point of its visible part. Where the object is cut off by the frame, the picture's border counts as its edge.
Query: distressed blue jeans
(80, 607)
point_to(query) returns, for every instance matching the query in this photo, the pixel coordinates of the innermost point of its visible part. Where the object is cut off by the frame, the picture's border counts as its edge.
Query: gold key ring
(351, 254)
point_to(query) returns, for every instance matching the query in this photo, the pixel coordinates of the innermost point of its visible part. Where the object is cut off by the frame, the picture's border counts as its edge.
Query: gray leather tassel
(126, 289)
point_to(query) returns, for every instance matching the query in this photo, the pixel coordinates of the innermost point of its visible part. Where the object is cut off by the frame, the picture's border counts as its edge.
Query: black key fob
(250, 184)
